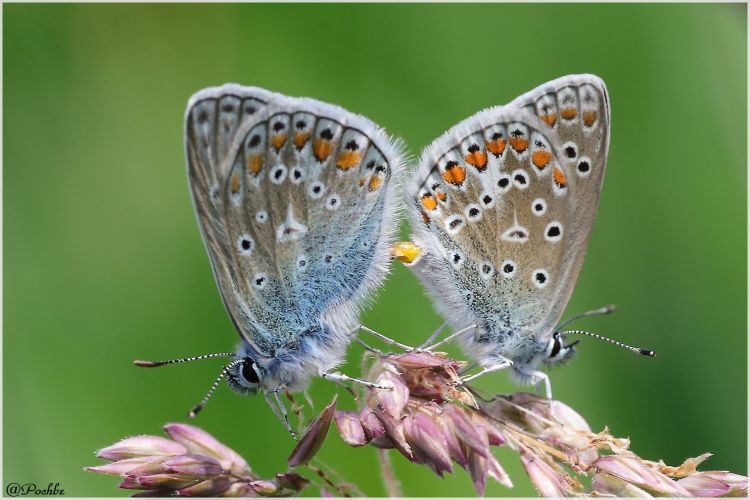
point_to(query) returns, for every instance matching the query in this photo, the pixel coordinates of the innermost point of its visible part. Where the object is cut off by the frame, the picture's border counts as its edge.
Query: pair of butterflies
(297, 202)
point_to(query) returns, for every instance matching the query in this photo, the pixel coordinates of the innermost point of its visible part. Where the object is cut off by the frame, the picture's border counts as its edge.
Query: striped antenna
(152, 364)
(637, 350)
(224, 372)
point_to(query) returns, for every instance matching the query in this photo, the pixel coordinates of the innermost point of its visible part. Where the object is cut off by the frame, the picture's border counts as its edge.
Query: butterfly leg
(367, 347)
(309, 399)
(341, 384)
(540, 377)
(385, 339)
(467, 368)
(340, 378)
(279, 410)
(432, 337)
(449, 338)
(501, 364)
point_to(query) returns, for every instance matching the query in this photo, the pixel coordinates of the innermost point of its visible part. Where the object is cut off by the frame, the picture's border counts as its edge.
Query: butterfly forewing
(503, 210)
(296, 204)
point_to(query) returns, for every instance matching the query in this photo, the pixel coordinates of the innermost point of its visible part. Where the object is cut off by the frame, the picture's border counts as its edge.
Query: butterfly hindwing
(503, 211)
(299, 225)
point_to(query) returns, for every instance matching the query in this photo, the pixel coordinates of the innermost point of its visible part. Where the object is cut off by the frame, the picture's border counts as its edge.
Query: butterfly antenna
(596, 312)
(152, 364)
(224, 373)
(637, 350)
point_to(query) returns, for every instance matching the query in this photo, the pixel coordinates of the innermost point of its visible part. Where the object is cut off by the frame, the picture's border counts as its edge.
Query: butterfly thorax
(491, 343)
(317, 349)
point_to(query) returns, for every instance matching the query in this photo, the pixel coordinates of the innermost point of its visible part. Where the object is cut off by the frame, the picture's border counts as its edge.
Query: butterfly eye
(556, 346)
(248, 371)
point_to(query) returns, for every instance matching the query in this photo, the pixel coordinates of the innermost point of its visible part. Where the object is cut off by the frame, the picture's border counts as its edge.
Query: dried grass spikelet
(430, 418)
(190, 462)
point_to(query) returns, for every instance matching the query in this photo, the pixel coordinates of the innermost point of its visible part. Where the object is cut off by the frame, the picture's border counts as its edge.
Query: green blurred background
(104, 262)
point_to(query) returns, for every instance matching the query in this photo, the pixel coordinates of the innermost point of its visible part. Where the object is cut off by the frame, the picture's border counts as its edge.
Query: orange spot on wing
(477, 159)
(549, 119)
(455, 174)
(254, 164)
(496, 147)
(278, 140)
(541, 158)
(560, 179)
(375, 182)
(348, 159)
(520, 144)
(568, 113)
(234, 183)
(441, 195)
(429, 201)
(589, 117)
(322, 149)
(301, 138)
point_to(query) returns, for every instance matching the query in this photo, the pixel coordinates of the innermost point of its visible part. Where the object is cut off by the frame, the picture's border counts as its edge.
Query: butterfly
(297, 204)
(502, 207)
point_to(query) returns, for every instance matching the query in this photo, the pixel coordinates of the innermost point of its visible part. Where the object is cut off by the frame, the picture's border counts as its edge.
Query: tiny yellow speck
(405, 251)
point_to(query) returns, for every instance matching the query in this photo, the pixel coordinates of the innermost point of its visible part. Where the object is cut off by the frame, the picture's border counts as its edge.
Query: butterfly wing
(296, 204)
(503, 204)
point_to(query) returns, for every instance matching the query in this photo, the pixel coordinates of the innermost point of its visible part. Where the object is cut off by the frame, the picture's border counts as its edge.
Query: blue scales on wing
(296, 202)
